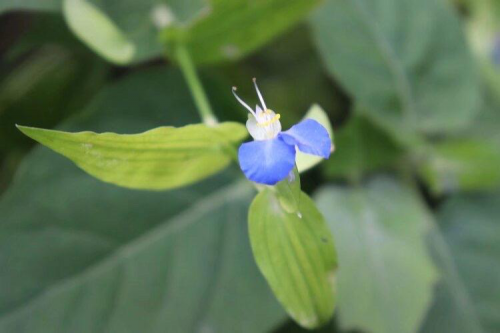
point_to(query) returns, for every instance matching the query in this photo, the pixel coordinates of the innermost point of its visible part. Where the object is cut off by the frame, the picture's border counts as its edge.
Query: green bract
(296, 254)
(162, 158)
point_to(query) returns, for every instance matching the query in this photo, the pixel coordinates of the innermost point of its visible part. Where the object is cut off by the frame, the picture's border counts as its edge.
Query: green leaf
(86, 256)
(467, 248)
(295, 253)
(405, 62)
(44, 5)
(161, 158)
(98, 31)
(465, 163)
(386, 276)
(307, 161)
(362, 147)
(234, 28)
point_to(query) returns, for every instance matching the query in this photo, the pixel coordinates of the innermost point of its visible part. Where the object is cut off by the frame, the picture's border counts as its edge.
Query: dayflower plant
(271, 156)
(291, 243)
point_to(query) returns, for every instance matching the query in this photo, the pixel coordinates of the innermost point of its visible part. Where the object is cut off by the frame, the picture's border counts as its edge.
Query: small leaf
(307, 161)
(162, 158)
(98, 31)
(296, 254)
(386, 276)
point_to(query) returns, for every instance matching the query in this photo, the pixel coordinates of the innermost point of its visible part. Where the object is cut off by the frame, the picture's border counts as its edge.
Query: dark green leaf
(45, 5)
(386, 276)
(467, 248)
(295, 253)
(405, 62)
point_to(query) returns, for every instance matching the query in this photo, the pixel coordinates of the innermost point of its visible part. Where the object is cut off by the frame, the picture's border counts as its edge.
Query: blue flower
(271, 156)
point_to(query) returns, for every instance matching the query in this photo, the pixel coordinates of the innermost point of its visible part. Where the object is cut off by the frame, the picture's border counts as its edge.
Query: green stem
(194, 84)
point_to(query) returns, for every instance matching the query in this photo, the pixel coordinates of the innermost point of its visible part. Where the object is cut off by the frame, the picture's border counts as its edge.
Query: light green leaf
(98, 31)
(464, 163)
(362, 147)
(405, 62)
(126, 31)
(295, 253)
(467, 248)
(161, 158)
(234, 28)
(386, 276)
(86, 256)
(307, 161)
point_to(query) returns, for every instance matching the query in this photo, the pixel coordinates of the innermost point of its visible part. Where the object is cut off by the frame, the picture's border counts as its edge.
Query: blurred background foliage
(411, 194)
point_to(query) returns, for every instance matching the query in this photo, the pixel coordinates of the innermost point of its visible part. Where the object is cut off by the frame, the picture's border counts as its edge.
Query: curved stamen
(242, 103)
(259, 94)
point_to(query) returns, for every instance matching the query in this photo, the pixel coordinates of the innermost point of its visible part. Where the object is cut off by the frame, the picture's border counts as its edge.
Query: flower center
(263, 118)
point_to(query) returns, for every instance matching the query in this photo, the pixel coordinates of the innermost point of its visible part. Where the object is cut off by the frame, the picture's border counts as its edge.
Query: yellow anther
(269, 122)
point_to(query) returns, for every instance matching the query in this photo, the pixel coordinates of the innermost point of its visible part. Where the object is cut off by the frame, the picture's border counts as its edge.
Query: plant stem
(194, 84)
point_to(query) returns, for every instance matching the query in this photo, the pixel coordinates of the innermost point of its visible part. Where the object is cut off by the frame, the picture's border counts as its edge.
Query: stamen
(269, 122)
(243, 103)
(259, 94)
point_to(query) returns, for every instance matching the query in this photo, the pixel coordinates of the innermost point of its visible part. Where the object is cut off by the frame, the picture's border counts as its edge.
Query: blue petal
(266, 161)
(310, 137)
